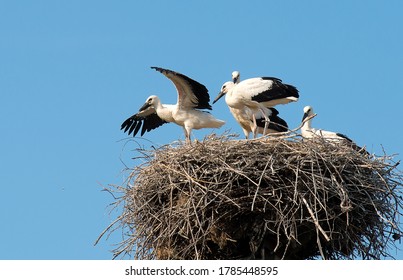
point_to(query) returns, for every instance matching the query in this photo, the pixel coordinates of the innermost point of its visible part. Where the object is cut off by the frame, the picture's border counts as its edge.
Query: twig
(315, 220)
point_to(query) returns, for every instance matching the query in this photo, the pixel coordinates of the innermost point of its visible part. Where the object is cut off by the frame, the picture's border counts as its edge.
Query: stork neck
(307, 125)
(158, 105)
(230, 87)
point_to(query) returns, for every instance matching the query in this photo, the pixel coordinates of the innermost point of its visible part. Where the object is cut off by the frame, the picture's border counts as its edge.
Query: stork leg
(266, 121)
(254, 126)
(246, 133)
(187, 135)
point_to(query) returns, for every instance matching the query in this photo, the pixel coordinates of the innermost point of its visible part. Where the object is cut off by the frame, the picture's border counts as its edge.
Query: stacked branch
(281, 198)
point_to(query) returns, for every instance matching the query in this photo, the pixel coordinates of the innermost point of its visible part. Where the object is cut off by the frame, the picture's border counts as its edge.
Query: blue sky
(72, 71)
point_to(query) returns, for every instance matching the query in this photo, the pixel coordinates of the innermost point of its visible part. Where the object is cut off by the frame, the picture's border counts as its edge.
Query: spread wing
(191, 94)
(146, 119)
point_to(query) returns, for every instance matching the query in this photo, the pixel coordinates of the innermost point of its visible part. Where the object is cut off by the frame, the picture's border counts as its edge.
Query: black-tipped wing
(191, 94)
(270, 88)
(344, 136)
(146, 120)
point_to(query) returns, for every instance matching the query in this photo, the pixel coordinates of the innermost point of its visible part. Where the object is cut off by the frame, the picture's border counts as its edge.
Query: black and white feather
(192, 98)
(256, 95)
(191, 94)
(308, 132)
(147, 119)
(276, 123)
(257, 92)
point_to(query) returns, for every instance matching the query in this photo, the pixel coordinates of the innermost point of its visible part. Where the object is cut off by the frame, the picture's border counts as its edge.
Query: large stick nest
(281, 198)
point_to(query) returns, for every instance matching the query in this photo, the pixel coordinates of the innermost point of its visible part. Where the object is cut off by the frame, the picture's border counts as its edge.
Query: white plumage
(236, 77)
(252, 99)
(308, 132)
(192, 98)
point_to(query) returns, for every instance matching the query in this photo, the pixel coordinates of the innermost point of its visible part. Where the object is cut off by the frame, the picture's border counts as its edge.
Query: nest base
(260, 199)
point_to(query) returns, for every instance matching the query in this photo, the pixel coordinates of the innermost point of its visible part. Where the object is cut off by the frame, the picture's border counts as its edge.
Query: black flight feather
(199, 90)
(147, 123)
(278, 90)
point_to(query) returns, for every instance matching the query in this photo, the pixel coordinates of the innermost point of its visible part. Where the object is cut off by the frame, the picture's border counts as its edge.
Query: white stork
(308, 132)
(245, 117)
(257, 95)
(193, 97)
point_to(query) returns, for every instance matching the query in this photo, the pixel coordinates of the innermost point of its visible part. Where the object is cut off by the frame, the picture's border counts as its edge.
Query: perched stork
(193, 97)
(256, 94)
(308, 132)
(245, 117)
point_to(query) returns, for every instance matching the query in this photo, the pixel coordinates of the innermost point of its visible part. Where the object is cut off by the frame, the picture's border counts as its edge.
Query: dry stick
(107, 229)
(203, 187)
(318, 227)
(314, 219)
(232, 149)
(240, 173)
(383, 218)
(320, 246)
(285, 134)
(258, 185)
(191, 231)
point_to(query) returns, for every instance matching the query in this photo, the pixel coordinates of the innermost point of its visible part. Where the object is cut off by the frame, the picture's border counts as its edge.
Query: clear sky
(72, 71)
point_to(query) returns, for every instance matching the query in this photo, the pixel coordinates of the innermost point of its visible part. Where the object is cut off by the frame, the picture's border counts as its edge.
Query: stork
(308, 132)
(257, 94)
(192, 98)
(245, 117)
(236, 77)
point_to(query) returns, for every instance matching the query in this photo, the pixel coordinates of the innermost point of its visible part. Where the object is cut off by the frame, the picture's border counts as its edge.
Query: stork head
(308, 111)
(236, 77)
(224, 90)
(152, 100)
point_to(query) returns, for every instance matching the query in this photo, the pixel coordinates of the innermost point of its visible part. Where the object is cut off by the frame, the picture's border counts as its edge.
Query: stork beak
(221, 94)
(304, 117)
(145, 106)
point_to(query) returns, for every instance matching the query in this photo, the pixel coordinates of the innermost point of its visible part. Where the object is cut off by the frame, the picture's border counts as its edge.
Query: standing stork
(245, 117)
(193, 97)
(256, 94)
